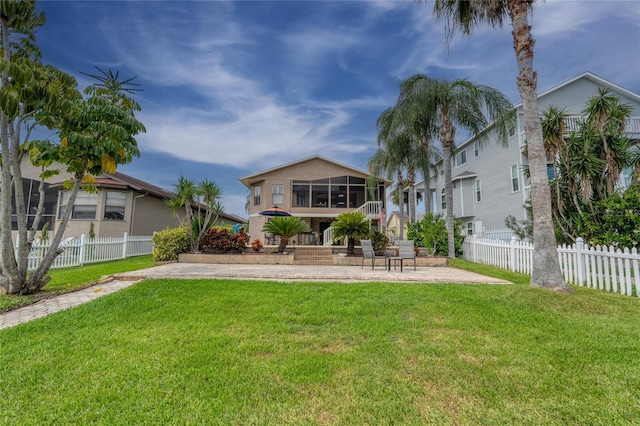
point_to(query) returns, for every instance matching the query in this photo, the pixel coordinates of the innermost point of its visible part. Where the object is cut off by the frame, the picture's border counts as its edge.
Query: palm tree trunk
(400, 206)
(428, 199)
(412, 195)
(447, 137)
(546, 268)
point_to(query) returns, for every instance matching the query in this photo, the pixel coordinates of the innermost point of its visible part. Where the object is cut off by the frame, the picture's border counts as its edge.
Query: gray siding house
(489, 183)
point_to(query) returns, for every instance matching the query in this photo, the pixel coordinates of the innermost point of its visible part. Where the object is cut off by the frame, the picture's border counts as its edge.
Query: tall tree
(393, 157)
(465, 16)
(458, 103)
(95, 135)
(587, 160)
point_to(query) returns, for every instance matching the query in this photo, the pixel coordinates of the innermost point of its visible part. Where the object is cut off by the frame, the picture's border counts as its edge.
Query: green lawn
(254, 352)
(68, 279)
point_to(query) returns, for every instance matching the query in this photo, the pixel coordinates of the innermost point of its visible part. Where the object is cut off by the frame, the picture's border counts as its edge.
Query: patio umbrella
(274, 211)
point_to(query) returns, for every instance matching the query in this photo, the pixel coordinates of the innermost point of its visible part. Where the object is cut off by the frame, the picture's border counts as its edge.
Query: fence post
(512, 254)
(580, 260)
(474, 250)
(83, 242)
(124, 246)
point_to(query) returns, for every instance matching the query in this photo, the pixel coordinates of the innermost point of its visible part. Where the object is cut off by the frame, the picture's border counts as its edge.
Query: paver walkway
(286, 273)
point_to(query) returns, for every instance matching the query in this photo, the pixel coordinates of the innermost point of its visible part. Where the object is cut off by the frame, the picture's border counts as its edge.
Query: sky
(231, 88)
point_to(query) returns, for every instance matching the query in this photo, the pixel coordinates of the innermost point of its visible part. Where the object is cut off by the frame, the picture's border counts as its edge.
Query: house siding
(493, 164)
(313, 168)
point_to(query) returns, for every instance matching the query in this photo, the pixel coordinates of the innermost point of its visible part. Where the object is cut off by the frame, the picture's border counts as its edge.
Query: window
(338, 196)
(319, 195)
(461, 158)
(277, 194)
(551, 171)
(256, 195)
(334, 192)
(476, 149)
(114, 205)
(469, 228)
(478, 191)
(84, 207)
(31, 193)
(515, 180)
(512, 131)
(444, 200)
(301, 193)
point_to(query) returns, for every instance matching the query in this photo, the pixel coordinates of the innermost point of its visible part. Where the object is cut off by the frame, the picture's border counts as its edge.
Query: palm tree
(458, 103)
(352, 226)
(421, 124)
(286, 227)
(384, 164)
(465, 16)
(394, 156)
(607, 116)
(587, 161)
(202, 206)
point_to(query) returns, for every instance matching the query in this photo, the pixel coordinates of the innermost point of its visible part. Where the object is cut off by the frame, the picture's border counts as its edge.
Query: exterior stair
(318, 255)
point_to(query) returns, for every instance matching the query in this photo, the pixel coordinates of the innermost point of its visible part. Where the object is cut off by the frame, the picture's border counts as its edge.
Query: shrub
(256, 245)
(431, 232)
(222, 240)
(379, 241)
(169, 243)
(615, 221)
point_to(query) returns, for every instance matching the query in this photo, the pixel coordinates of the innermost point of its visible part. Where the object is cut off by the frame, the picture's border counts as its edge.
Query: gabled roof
(594, 78)
(138, 185)
(255, 177)
(585, 75)
(122, 180)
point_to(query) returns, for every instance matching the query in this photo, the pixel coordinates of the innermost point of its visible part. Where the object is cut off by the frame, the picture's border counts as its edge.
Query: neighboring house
(121, 204)
(489, 182)
(393, 224)
(317, 190)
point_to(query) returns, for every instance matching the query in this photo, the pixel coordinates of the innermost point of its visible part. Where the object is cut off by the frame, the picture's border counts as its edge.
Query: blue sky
(232, 88)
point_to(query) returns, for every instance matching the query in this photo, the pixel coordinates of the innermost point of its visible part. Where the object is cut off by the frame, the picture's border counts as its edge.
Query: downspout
(133, 210)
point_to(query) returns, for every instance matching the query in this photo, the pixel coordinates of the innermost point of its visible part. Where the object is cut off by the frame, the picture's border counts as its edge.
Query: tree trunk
(10, 275)
(411, 195)
(283, 244)
(400, 206)
(546, 268)
(351, 246)
(426, 177)
(39, 277)
(447, 137)
(427, 192)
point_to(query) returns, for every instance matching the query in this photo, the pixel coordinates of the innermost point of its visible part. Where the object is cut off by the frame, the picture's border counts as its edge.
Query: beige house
(393, 225)
(121, 204)
(317, 190)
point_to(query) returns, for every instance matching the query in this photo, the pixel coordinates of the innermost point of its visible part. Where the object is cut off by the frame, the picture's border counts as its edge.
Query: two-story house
(317, 190)
(489, 180)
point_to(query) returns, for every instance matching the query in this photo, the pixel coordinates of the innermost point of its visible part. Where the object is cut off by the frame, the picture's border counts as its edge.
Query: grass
(257, 352)
(68, 279)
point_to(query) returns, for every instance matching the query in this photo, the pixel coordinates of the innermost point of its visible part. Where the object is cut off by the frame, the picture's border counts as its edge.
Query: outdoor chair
(368, 253)
(406, 250)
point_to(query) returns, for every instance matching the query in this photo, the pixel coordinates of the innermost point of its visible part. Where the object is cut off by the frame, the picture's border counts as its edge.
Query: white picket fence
(602, 268)
(80, 251)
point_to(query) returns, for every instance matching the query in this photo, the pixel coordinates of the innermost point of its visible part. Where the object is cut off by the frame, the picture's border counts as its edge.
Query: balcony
(632, 127)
